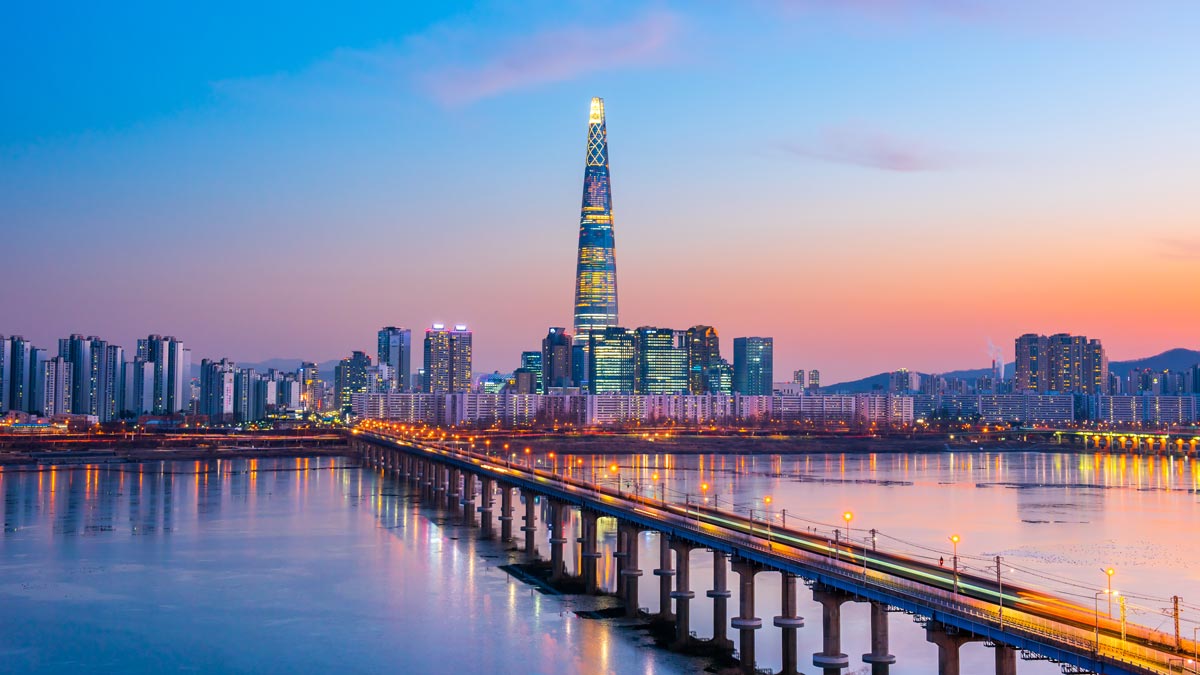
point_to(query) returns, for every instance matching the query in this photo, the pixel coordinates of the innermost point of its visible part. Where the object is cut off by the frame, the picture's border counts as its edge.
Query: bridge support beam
(664, 574)
(619, 557)
(506, 512)
(682, 594)
(486, 495)
(630, 570)
(1006, 660)
(831, 658)
(745, 622)
(788, 621)
(879, 658)
(454, 490)
(587, 563)
(530, 526)
(558, 537)
(720, 597)
(948, 644)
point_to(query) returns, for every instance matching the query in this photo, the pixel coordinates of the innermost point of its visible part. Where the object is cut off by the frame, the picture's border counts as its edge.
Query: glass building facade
(596, 271)
(611, 366)
(661, 366)
(753, 365)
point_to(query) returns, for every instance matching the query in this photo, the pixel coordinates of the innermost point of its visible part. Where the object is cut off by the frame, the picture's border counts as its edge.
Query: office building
(395, 351)
(350, 377)
(753, 366)
(661, 363)
(612, 360)
(532, 362)
(703, 348)
(557, 364)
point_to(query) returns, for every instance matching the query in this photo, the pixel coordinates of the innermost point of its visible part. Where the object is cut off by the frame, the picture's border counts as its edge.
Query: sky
(876, 184)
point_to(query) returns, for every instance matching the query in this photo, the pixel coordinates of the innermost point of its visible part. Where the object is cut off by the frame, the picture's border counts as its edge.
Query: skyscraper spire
(596, 272)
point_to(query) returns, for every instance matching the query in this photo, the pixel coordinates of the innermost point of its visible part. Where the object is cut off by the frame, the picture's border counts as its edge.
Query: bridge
(954, 607)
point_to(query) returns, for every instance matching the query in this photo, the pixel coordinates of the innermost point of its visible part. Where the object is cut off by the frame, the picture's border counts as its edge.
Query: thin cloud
(871, 149)
(556, 55)
(1174, 248)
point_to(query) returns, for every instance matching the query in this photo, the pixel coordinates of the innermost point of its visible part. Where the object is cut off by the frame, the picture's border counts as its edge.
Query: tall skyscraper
(395, 351)
(596, 272)
(447, 359)
(5, 365)
(661, 362)
(611, 364)
(753, 365)
(703, 352)
(557, 359)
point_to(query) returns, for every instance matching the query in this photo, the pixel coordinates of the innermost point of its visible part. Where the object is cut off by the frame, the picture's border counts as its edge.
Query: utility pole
(1000, 583)
(1122, 599)
(1175, 605)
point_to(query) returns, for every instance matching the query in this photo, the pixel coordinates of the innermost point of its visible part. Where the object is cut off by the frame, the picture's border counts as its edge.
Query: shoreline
(117, 456)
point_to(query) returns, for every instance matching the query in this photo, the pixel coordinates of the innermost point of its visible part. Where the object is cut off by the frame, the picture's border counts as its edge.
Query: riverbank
(634, 444)
(140, 455)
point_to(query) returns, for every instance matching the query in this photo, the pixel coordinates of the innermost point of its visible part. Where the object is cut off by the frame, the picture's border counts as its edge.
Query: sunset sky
(875, 183)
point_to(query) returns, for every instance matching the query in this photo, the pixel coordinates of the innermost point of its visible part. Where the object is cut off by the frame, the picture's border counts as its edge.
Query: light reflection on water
(270, 566)
(305, 565)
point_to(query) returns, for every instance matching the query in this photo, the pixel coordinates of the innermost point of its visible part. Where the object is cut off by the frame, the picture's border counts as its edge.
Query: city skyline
(791, 211)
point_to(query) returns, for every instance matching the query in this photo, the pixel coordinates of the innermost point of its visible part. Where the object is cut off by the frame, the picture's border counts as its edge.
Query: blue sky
(876, 183)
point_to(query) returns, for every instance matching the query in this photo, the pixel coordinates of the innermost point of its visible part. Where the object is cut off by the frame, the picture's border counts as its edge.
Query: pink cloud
(872, 149)
(556, 55)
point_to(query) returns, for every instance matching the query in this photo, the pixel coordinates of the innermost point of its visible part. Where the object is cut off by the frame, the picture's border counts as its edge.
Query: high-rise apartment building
(557, 365)
(19, 374)
(814, 380)
(395, 351)
(753, 365)
(1061, 363)
(56, 387)
(661, 363)
(172, 372)
(217, 390)
(447, 359)
(703, 352)
(596, 267)
(611, 364)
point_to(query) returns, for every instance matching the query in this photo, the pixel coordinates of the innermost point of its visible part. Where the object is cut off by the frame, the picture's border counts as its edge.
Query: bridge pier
(788, 622)
(831, 658)
(558, 532)
(506, 512)
(468, 499)
(630, 570)
(486, 495)
(664, 574)
(948, 644)
(454, 490)
(720, 597)
(619, 557)
(1006, 660)
(589, 556)
(745, 622)
(682, 594)
(879, 658)
(530, 527)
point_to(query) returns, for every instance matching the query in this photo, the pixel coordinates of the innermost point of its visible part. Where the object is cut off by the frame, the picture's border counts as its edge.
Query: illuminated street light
(954, 539)
(1109, 573)
(847, 516)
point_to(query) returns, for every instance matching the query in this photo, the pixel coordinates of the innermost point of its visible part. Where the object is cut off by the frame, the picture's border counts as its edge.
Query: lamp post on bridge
(954, 539)
(1109, 573)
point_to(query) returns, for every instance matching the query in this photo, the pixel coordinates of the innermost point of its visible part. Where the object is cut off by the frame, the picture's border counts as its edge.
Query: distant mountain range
(1172, 359)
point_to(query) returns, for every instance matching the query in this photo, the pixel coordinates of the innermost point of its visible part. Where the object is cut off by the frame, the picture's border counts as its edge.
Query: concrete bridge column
(745, 621)
(468, 499)
(619, 557)
(506, 512)
(879, 658)
(948, 644)
(664, 574)
(789, 620)
(558, 537)
(631, 571)
(454, 489)
(486, 494)
(590, 555)
(720, 597)
(429, 474)
(682, 594)
(831, 658)
(1006, 660)
(530, 527)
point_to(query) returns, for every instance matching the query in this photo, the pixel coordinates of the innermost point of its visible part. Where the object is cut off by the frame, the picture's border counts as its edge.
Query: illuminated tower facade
(596, 272)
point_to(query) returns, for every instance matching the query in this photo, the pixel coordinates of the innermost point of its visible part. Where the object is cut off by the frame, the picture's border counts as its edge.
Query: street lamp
(767, 508)
(1108, 573)
(954, 539)
(847, 516)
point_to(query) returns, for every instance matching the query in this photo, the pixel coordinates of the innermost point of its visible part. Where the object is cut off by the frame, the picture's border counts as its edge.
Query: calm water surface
(307, 565)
